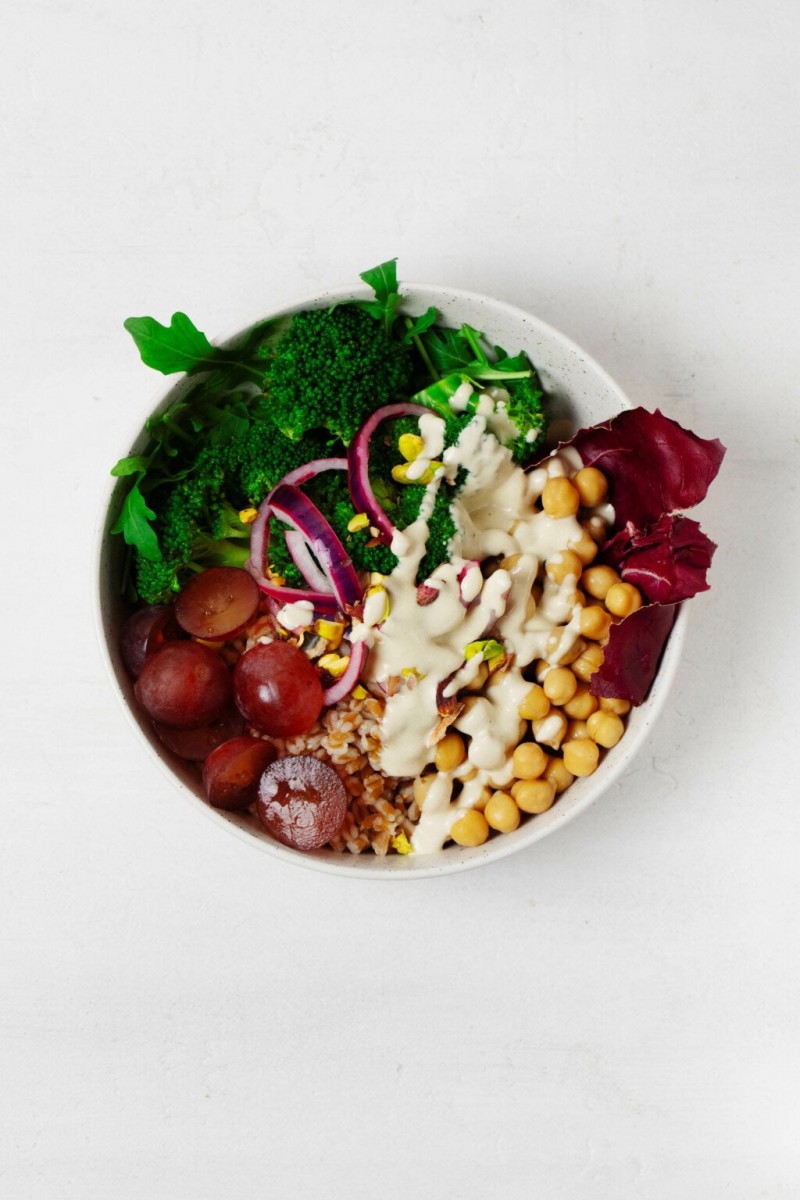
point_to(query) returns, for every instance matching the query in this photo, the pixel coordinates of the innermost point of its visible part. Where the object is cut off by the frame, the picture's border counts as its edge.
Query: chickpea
(581, 756)
(595, 622)
(560, 650)
(620, 707)
(483, 800)
(597, 580)
(535, 795)
(509, 562)
(596, 528)
(560, 685)
(450, 752)
(592, 486)
(585, 547)
(470, 830)
(582, 704)
(577, 729)
(541, 667)
(480, 679)
(420, 788)
(623, 599)
(535, 705)
(530, 607)
(528, 760)
(560, 498)
(588, 662)
(606, 728)
(551, 730)
(557, 773)
(501, 813)
(562, 564)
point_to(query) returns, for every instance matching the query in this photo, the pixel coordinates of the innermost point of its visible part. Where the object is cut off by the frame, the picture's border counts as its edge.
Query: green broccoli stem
(217, 552)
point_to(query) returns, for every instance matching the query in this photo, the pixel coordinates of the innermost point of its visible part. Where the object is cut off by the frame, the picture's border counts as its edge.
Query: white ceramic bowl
(580, 393)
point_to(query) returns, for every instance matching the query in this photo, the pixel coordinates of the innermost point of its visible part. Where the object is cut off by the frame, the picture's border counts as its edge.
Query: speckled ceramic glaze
(580, 393)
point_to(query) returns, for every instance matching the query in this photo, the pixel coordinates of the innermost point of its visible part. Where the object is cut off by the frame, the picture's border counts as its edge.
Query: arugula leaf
(449, 350)
(179, 346)
(130, 466)
(415, 328)
(133, 523)
(383, 281)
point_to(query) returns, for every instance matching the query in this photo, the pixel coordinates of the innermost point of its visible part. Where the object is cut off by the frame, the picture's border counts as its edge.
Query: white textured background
(613, 1013)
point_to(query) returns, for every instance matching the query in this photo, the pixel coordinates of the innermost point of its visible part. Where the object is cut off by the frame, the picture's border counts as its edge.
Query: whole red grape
(277, 689)
(184, 685)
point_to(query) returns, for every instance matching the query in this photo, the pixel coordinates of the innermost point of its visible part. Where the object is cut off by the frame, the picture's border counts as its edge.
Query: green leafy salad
(292, 391)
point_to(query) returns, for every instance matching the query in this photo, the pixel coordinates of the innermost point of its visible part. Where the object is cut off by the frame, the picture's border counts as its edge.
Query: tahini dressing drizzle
(420, 647)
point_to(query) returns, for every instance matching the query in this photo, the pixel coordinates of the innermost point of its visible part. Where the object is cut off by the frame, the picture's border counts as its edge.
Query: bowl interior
(580, 393)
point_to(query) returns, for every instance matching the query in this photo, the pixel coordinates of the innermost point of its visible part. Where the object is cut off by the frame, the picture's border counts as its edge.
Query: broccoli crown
(331, 369)
(260, 459)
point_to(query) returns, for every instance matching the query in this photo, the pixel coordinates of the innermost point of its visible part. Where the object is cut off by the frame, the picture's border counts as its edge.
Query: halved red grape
(185, 685)
(218, 603)
(277, 689)
(146, 631)
(232, 772)
(197, 744)
(301, 802)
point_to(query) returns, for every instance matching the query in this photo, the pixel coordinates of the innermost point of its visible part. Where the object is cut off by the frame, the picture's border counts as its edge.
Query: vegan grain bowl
(393, 582)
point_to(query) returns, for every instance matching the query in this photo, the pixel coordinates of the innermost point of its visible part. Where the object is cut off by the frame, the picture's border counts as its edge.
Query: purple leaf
(668, 562)
(632, 654)
(653, 465)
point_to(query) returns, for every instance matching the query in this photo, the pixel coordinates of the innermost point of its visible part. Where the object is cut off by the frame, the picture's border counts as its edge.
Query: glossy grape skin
(196, 744)
(232, 773)
(277, 689)
(184, 685)
(301, 802)
(146, 631)
(218, 603)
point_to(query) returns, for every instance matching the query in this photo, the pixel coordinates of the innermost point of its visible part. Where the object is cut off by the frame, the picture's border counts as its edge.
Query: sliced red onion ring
(259, 540)
(343, 686)
(296, 510)
(361, 491)
(317, 465)
(305, 562)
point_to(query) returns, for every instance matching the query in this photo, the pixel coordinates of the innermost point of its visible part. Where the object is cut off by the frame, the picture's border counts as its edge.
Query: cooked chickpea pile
(564, 727)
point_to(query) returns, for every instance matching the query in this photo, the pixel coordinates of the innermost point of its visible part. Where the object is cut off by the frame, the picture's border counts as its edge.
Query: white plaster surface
(611, 1014)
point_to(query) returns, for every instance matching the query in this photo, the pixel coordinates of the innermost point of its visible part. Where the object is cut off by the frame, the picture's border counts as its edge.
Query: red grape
(197, 744)
(185, 685)
(146, 631)
(218, 603)
(301, 802)
(232, 772)
(277, 689)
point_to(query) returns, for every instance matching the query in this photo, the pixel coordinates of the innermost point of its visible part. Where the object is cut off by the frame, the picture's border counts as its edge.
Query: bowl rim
(396, 867)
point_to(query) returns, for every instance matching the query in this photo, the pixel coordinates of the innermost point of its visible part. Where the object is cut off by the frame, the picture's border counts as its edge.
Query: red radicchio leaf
(667, 562)
(632, 654)
(653, 465)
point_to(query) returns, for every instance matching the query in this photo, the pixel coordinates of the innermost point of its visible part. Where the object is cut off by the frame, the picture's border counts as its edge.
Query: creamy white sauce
(495, 515)
(298, 615)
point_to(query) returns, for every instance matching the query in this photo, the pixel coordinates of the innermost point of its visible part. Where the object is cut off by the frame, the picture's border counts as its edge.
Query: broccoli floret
(188, 548)
(524, 407)
(256, 462)
(332, 369)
